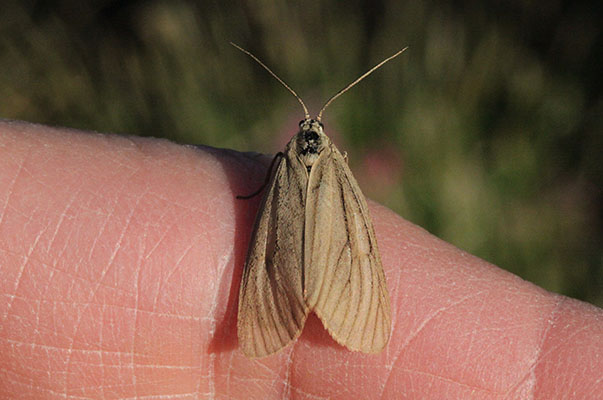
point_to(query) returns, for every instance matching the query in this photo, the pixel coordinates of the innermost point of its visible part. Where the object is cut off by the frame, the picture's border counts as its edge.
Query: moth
(313, 249)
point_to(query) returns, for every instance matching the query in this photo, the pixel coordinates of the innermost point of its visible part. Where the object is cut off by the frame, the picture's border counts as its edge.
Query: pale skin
(120, 262)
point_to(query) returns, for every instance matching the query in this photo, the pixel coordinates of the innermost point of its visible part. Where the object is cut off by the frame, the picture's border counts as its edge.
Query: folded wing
(272, 310)
(343, 277)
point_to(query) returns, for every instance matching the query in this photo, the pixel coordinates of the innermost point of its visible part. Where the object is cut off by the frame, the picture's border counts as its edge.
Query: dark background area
(488, 131)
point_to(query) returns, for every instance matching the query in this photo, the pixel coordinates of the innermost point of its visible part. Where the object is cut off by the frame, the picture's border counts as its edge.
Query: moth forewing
(272, 310)
(344, 281)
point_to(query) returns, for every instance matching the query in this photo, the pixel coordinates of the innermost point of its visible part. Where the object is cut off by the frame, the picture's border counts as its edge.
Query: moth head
(309, 124)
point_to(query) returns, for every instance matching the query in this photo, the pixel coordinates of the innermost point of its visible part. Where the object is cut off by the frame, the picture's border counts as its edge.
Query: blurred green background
(488, 131)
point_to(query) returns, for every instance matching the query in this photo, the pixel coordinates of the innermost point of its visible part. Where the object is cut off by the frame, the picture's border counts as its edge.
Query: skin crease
(120, 263)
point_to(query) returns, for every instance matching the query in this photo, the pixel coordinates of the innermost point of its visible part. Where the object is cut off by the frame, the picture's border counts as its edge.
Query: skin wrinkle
(92, 352)
(117, 306)
(222, 275)
(159, 241)
(76, 325)
(305, 395)
(177, 264)
(108, 218)
(38, 304)
(229, 372)
(20, 274)
(539, 353)
(288, 381)
(154, 397)
(452, 381)
(414, 334)
(137, 277)
(50, 348)
(102, 358)
(62, 217)
(434, 314)
(49, 391)
(394, 315)
(384, 385)
(53, 268)
(97, 286)
(10, 190)
(176, 204)
(477, 320)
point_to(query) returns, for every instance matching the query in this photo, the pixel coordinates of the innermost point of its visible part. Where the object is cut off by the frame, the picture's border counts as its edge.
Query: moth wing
(344, 280)
(272, 310)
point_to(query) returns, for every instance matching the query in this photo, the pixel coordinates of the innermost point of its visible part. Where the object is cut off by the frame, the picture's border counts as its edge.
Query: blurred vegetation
(488, 131)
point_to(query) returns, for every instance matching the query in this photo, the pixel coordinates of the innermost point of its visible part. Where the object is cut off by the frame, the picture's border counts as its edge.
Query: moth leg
(276, 156)
(345, 156)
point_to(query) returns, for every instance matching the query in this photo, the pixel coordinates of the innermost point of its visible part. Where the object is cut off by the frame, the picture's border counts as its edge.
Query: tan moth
(313, 248)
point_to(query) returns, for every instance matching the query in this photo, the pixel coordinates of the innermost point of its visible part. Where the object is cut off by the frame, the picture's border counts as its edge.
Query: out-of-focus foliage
(488, 132)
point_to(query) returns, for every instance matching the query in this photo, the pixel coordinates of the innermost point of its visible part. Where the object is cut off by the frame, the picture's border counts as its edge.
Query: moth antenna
(348, 87)
(307, 114)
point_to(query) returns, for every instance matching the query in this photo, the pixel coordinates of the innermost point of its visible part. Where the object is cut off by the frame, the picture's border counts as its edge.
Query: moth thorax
(310, 140)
